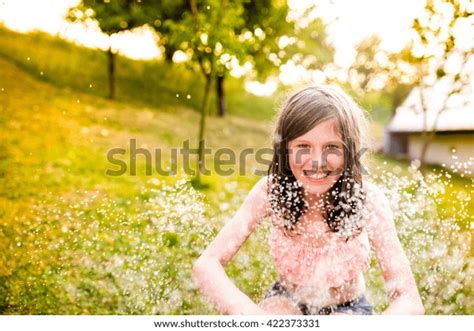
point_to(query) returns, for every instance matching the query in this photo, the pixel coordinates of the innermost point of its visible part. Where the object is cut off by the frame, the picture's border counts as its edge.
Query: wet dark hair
(344, 202)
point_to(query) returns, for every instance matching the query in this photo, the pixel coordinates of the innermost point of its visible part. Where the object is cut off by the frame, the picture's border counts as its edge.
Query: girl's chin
(319, 190)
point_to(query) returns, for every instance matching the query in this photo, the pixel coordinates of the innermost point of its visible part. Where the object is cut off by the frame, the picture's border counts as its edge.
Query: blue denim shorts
(358, 306)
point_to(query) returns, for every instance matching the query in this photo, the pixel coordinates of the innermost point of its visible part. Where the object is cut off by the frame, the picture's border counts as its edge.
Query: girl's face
(317, 157)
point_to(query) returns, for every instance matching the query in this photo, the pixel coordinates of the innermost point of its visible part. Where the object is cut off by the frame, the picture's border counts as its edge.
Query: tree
(216, 33)
(257, 39)
(389, 74)
(270, 38)
(160, 13)
(263, 23)
(437, 45)
(112, 16)
(205, 32)
(426, 62)
(251, 16)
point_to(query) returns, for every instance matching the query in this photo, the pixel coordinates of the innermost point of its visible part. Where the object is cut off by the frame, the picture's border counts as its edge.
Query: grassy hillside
(150, 83)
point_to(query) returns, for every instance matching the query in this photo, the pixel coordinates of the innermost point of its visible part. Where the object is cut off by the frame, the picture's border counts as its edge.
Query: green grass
(75, 240)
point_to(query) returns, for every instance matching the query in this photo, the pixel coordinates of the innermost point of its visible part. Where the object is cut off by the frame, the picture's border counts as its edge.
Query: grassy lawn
(75, 240)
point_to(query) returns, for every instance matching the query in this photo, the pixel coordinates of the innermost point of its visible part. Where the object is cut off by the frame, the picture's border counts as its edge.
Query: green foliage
(112, 16)
(382, 73)
(205, 31)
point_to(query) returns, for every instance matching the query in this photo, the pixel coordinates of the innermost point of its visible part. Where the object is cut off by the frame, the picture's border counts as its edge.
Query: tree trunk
(425, 133)
(169, 52)
(111, 57)
(426, 141)
(202, 127)
(221, 106)
(428, 137)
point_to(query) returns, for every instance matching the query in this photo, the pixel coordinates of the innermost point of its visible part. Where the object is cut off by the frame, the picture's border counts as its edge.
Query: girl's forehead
(325, 131)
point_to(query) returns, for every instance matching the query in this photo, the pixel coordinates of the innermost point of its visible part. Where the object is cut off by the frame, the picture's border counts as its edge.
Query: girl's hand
(258, 311)
(208, 271)
(396, 270)
(252, 309)
(278, 305)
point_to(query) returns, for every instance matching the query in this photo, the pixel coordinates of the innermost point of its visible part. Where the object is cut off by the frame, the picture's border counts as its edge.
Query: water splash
(435, 240)
(99, 256)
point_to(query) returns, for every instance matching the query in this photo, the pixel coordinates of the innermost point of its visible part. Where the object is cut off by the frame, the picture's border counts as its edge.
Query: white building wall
(440, 151)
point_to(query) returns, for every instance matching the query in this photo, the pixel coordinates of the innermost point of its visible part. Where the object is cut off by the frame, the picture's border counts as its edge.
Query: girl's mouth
(314, 175)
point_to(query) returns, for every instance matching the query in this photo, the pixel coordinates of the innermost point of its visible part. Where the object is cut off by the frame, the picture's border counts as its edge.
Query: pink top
(331, 262)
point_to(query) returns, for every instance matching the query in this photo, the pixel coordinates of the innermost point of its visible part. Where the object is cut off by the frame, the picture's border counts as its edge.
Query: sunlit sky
(350, 21)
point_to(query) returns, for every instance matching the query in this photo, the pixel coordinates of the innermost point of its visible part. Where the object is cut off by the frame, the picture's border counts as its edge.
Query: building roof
(458, 116)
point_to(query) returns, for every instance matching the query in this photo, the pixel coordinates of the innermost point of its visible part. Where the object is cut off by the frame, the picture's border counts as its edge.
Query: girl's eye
(331, 146)
(303, 146)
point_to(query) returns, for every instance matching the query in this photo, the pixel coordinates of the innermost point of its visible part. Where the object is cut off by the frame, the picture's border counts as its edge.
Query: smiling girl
(325, 219)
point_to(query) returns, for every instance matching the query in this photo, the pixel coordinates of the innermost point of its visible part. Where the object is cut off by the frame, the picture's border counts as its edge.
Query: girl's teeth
(317, 176)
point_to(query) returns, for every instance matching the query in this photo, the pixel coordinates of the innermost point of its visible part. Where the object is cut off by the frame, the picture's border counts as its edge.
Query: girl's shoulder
(376, 202)
(260, 188)
(257, 196)
(372, 190)
(263, 182)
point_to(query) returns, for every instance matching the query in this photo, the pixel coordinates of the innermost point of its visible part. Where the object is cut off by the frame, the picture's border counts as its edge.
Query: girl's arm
(399, 280)
(208, 272)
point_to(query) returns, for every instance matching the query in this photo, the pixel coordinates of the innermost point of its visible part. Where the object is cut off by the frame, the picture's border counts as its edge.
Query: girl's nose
(318, 160)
